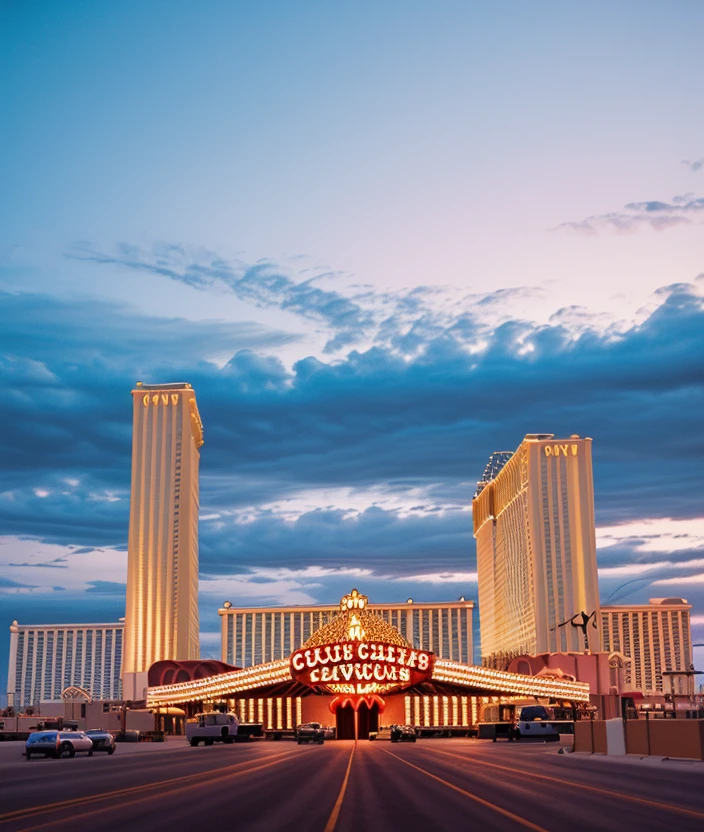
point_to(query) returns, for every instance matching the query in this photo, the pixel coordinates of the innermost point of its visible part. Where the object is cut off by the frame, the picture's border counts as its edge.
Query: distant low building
(253, 635)
(656, 637)
(45, 659)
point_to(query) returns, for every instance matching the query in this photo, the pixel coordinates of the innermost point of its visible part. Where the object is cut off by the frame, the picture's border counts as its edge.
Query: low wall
(655, 737)
(590, 736)
(677, 738)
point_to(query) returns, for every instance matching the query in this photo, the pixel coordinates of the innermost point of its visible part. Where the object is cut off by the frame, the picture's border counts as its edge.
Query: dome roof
(355, 622)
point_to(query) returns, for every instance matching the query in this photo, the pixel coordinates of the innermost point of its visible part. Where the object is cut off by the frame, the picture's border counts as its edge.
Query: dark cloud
(683, 209)
(374, 420)
(9, 584)
(694, 166)
(106, 588)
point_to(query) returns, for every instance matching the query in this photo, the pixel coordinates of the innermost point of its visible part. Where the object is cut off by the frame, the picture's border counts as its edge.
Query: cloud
(402, 321)
(8, 585)
(662, 534)
(694, 166)
(106, 588)
(265, 284)
(660, 216)
(366, 461)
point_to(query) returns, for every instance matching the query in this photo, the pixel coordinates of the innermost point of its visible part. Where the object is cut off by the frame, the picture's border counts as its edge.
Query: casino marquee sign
(356, 657)
(361, 667)
(359, 653)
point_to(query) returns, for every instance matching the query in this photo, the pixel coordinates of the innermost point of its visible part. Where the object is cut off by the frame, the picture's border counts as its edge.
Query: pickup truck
(310, 732)
(212, 727)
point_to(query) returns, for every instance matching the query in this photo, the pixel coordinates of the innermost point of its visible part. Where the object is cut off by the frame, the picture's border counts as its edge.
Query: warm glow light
(377, 665)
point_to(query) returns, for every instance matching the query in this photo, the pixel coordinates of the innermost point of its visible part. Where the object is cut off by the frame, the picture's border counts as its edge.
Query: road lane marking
(79, 801)
(621, 795)
(171, 791)
(332, 820)
(516, 818)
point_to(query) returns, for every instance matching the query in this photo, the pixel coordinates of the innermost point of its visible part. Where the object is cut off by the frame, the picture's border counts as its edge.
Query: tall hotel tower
(161, 619)
(536, 548)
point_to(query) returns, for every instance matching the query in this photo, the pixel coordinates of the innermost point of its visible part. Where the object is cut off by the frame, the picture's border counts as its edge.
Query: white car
(212, 727)
(71, 742)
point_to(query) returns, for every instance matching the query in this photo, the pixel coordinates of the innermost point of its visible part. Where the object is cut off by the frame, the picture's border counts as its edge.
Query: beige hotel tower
(533, 519)
(161, 619)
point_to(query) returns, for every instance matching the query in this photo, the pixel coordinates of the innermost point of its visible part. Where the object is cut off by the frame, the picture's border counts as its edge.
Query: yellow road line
(516, 818)
(332, 820)
(80, 801)
(621, 795)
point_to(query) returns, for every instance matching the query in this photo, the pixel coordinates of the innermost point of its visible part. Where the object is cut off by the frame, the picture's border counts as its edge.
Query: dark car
(42, 743)
(403, 733)
(310, 732)
(102, 740)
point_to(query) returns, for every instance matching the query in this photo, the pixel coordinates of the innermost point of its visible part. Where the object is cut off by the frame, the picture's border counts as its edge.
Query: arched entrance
(344, 721)
(367, 720)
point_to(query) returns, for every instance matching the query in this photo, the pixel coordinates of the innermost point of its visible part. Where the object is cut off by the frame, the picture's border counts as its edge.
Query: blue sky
(381, 241)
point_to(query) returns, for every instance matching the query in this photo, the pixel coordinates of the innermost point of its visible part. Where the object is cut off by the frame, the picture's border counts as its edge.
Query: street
(430, 785)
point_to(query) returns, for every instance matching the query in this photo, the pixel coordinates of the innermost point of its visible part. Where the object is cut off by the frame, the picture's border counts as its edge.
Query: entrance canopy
(359, 654)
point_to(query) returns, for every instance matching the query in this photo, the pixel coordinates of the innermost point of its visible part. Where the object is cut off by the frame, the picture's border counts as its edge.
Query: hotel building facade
(255, 635)
(536, 549)
(45, 659)
(656, 637)
(161, 620)
(361, 666)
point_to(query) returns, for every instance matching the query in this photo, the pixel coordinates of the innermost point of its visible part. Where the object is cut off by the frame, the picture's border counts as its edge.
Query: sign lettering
(561, 450)
(361, 667)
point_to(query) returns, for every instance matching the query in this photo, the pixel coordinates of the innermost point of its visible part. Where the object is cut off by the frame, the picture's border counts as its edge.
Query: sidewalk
(637, 760)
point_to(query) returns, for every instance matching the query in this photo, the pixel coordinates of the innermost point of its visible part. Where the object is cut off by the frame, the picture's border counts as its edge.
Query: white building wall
(45, 659)
(655, 636)
(254, 635)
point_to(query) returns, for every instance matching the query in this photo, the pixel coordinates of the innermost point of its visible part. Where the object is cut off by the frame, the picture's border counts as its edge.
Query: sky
(381, 240)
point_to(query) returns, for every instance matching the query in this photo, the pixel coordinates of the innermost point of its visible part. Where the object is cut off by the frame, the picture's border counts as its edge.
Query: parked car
(212, 727)
(102, 740)
(403, 733)
(42, 743)
(72, 741)
(310, 732)
(57, 744)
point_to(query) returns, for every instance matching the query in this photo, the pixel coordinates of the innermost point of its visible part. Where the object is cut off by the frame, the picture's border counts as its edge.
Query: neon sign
(361, 667)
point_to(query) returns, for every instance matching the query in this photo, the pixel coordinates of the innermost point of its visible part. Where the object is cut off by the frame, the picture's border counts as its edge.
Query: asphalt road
(428, 785)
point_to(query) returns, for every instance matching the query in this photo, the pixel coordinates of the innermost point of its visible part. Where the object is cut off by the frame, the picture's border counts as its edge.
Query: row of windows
(655, 641)
(255, 638)
(49, 661)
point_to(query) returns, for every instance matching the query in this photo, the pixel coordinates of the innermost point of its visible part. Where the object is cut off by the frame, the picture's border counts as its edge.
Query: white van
(534, 723)
(212, 727)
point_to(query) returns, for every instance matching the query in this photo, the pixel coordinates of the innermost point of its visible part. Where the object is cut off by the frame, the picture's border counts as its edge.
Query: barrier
(644, 737)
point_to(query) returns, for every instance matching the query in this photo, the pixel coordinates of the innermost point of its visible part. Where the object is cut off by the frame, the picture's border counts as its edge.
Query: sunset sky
(381, 240)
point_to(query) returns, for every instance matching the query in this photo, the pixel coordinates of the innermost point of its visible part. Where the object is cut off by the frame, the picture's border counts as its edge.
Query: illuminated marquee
(358, 656)
(361, 667)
